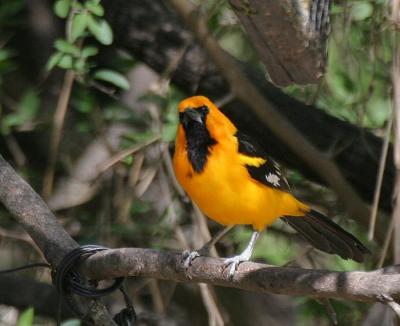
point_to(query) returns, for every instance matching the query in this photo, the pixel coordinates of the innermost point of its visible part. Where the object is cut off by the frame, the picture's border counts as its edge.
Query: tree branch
(36, 218)
(290, 43)
(166, 265)
(33, 214)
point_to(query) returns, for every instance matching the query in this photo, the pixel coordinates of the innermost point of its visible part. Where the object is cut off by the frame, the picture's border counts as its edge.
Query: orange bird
(233, 181)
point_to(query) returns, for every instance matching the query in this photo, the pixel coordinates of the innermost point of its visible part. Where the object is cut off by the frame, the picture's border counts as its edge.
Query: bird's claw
(188, 257)
(233, 264)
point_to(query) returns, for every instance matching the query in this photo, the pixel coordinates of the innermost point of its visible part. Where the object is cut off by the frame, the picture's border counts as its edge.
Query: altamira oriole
(233, 181)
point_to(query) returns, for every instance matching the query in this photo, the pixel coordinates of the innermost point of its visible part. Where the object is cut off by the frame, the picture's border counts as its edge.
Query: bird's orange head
(199, 113)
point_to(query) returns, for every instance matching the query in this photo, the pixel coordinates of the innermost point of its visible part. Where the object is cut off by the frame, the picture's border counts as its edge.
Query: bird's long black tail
(326, 235)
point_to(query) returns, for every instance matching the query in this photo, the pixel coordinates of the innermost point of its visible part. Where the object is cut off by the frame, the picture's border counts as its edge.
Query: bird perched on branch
(233, 182)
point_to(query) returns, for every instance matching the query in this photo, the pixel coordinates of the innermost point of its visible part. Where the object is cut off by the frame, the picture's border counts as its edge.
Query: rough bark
(285, 39)
(36, 218)
(379, 285)
(33, 214)
(355, 150)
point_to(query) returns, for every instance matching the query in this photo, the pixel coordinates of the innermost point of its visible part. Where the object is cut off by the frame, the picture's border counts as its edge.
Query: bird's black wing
(267, 173)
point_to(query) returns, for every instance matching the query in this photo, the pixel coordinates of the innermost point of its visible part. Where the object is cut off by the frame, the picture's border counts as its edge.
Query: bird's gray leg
(244, 256)
(189, 256)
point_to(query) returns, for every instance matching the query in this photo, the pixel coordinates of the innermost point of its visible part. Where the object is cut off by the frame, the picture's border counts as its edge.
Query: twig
(329, 309)
(214, 315)
(20, 237)
(379, 179)
(15, 149)
(396, 109)
(58, 123)
(122, 154)
(167, 265)
(246, 91)
(391, 303)
(385, 248)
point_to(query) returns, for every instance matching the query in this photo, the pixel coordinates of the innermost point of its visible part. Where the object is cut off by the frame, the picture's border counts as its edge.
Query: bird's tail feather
(327, 236)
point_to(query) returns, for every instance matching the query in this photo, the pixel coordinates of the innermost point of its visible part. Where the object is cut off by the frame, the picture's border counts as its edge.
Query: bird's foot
(188, 257)
(234, 262)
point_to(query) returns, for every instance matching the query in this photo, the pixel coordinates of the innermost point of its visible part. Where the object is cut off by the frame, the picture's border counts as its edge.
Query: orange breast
(226, 193)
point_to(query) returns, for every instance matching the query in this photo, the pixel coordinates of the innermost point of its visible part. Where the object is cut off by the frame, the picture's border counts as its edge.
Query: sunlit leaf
(94, 8)
(80, 66)
(66, 47)
(26, 318)
(89, 51)
(71, 322)
(101, 30)
(54, 60)
(78, 26)
(66, 62)
(361, 10)
(112, 77)
(61, 8)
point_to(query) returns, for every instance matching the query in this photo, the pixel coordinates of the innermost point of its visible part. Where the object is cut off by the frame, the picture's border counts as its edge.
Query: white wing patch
(273, 178)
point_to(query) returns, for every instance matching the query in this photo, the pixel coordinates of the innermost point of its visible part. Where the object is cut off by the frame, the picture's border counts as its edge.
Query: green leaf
(77, 6)
(101, 30)
(66, 47)
(61, 8)
(26, 318)
(361, 10)
(112, 77)
(54, 60)
(80, 66)
(89, 51)
(78, 26)
(94, 8)
(66, 62)
(71, 322)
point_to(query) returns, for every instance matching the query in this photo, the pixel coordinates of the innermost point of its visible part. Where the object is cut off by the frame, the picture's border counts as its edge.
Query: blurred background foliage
(116, 104)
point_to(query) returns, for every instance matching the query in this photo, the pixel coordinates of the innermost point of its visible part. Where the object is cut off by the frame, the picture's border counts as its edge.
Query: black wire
(68, 281)
(127, 316)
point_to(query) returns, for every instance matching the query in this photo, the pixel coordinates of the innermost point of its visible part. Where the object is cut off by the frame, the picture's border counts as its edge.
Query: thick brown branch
(33, 214)
(359, 286)
(291, 49)
(36, 218)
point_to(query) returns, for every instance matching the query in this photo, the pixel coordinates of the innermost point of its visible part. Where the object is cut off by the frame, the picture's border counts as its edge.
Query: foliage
(134, 202)
(71, 322)
(26, 318)
(83, 20)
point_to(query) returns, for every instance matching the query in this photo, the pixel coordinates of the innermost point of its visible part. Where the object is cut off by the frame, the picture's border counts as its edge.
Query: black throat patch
(198, 139)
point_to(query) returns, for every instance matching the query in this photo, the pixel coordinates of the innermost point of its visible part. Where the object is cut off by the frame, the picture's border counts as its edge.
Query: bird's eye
(204, 109)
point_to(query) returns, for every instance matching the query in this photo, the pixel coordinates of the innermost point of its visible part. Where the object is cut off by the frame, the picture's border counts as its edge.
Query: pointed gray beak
(194, 115)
